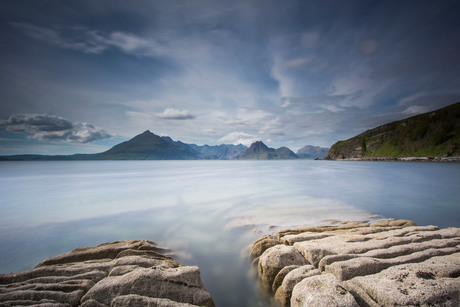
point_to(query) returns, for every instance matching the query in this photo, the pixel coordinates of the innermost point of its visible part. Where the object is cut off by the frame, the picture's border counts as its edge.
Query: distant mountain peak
(259, 151)
(312, 152)
(149, 146)
(259, 146)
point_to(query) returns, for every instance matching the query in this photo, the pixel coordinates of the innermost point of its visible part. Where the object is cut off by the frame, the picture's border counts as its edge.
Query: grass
(435, 133)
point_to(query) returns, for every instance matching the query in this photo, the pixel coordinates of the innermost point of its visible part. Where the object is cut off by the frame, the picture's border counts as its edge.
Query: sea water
(207, 212)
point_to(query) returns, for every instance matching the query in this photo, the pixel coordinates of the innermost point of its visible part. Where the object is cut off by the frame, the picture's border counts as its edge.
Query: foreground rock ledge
(121, 273)
(386, 263)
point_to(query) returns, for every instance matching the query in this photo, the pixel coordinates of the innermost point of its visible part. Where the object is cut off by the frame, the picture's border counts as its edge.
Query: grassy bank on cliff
(436, 133)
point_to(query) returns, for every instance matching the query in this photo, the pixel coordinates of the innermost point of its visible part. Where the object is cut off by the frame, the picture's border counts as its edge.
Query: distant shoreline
(402, 159)
(35, 158)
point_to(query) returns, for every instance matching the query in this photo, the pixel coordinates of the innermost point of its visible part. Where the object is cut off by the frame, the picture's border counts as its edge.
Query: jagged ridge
(259, 151)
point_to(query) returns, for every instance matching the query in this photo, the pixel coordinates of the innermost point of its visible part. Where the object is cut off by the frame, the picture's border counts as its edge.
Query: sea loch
(207, 212)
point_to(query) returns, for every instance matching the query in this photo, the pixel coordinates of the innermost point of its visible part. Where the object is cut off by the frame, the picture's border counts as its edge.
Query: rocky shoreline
(402, 159)
(119, 274)
(386, 263)
(381, 263)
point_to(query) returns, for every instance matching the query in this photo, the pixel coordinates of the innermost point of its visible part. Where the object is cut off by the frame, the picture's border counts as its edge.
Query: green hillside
(432, 134)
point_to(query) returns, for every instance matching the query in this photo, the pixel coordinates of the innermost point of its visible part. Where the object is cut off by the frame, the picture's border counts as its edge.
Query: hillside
(432, 134)
(260, 151)
(312, 152)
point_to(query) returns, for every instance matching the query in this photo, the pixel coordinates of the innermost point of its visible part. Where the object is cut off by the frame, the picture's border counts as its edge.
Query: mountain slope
(148, 146)
(219, 152)
(312, 152)
(435, 134)
(260, 151)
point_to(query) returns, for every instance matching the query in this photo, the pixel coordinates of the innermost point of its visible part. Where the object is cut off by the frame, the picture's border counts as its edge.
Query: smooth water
(207, 212)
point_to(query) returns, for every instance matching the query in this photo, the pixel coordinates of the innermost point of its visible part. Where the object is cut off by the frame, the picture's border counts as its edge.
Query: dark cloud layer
(43, 127)
(284, 72)
(90, 41)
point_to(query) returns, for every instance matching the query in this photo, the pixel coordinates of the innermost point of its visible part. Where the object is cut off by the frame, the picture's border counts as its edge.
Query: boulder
(321, 291)
(181, 284)
(281, 275)
(121, 273)
(137, 300)
(274, 259)
(433, 282)
(283, 293)
(261, 245)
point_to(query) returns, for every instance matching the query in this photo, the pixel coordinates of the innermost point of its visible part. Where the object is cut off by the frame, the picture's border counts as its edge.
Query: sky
(83, 76)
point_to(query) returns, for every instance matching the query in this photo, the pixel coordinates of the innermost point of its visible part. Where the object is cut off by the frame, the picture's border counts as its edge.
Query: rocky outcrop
(121, 273)
(384, 263)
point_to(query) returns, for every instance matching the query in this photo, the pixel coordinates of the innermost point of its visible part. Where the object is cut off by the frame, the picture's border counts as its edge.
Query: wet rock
(121, 273)
(182, 284)
(274, 259)
(353, 263)
(429, 283)
(305, 236)
(281, 275)
(321, 290)
(261, 245)
(137, 300)
(283, 293)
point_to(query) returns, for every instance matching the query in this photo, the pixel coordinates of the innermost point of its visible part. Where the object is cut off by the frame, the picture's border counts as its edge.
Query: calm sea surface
(207, 212)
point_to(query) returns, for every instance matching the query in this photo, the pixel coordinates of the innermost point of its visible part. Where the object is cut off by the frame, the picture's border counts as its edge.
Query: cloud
(249, 117)
(239, 138)
(133, 44)
(36, 122)
(369, 47)
(296, 63)
(412, 110)
(91, 41)
(273, 127)
(49, 128)
(286, 103)
(310, 39)
(171, 113)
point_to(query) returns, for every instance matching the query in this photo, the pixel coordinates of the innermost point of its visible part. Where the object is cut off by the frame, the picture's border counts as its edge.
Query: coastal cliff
(434, 134)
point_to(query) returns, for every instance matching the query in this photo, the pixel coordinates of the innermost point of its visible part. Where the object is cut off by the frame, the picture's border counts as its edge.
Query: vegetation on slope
(435, 133)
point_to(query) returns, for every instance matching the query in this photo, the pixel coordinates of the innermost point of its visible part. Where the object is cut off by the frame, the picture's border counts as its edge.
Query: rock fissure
(120, 273)
(389, 262)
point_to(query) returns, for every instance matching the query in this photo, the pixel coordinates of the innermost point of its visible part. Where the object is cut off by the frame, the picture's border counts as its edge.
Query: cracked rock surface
(121, 273)
(386, 263)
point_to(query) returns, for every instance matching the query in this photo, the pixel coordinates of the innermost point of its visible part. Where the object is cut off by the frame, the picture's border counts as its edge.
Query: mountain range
(149, 146)
(312, 152)
(260, 151)
(432, 134)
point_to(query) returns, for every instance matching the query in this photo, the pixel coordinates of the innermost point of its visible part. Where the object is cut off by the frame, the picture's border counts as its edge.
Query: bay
(207, 212)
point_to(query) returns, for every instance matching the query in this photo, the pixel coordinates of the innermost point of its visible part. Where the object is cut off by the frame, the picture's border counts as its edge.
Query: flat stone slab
(121, 273)
(386, 263)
